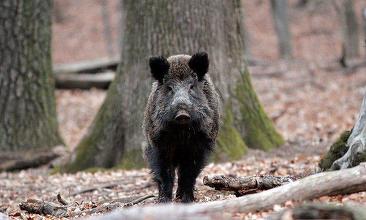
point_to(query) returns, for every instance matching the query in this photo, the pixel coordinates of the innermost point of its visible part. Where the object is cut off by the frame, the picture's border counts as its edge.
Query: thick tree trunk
(27, 105)
(165, 27)
(281, 23)
(350, 31)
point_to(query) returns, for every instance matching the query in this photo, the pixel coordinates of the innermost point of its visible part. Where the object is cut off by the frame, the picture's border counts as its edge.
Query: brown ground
(310, 106)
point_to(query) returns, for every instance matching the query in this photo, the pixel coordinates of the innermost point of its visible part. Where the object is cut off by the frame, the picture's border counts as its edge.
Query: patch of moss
(336, 151)
(257, 129)
(359, 159)
(132, 159)
(95, 169)
(85, 153)
(230, 145)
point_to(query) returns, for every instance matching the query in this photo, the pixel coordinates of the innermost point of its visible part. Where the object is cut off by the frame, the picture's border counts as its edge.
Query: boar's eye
(170, 88)
(191, 86)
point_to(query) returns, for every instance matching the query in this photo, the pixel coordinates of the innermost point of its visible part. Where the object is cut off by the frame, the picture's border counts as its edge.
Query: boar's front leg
(164, 174)
(187, 174)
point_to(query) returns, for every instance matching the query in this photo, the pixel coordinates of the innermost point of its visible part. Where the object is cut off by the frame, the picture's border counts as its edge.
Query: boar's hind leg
(164, 175)
(187, 174)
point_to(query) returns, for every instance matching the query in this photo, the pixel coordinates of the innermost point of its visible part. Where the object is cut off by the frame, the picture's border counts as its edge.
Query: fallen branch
(83, 81)
(87, 66)
(321, 184)
(138, 200)
(29, 162)
(93, 188)
(107, 207)
(245, 185)
(43, 208)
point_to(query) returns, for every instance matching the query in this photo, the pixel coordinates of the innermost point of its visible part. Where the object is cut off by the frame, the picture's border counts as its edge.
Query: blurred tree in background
(350, 31)
(166, 27)
(281, 24)
(28, 121)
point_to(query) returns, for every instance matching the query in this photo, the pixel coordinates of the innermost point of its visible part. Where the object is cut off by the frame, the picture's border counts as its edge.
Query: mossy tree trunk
(28, 121)
(166, 27)
(281, 23)
(350, 149)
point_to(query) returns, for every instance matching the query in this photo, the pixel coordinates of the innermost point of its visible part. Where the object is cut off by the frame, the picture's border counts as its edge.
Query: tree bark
(363, 15)
(350, 32)
(356, 143)
(27, 104)
(165, 27)
(321, 184)
(245, 185)
(281, 23)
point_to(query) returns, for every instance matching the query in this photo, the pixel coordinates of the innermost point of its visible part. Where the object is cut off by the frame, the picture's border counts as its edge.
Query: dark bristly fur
(183, 85)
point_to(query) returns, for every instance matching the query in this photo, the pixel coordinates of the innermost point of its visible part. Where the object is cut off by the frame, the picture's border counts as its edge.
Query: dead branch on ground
(245, 185)
(31, 162)
(43, 208)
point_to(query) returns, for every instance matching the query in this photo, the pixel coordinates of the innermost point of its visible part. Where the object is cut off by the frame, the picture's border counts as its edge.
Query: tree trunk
(165, 27)
(246, 35)
(356, 143)
(350, 149)
(28, 121)
(280, 19)
(350, 31)
(364, 26)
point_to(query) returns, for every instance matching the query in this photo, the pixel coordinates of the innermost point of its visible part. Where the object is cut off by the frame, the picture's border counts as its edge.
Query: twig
(61, 200)
(141, 199)
(91, 189)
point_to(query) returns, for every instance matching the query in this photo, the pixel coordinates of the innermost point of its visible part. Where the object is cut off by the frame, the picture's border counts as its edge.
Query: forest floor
(309, 105)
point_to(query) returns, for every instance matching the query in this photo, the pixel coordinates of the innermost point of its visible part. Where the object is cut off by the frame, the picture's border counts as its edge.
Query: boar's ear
(159, 66)
(199, 64)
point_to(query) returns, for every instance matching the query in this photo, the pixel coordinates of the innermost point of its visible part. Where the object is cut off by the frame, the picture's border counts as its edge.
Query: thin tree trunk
(107, 28)
(364, 27)
(281, 23)
(27, 104)
(350, 31)
(165, 27)
(246, 35)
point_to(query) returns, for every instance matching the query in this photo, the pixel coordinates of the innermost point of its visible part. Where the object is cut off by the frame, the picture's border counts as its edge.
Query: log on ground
(245, 185)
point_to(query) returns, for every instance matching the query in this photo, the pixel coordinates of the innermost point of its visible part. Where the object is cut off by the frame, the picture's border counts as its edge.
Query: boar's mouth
(182, 117)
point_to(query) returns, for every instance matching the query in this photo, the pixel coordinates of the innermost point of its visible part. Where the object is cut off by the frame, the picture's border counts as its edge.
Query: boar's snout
(182, 117)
